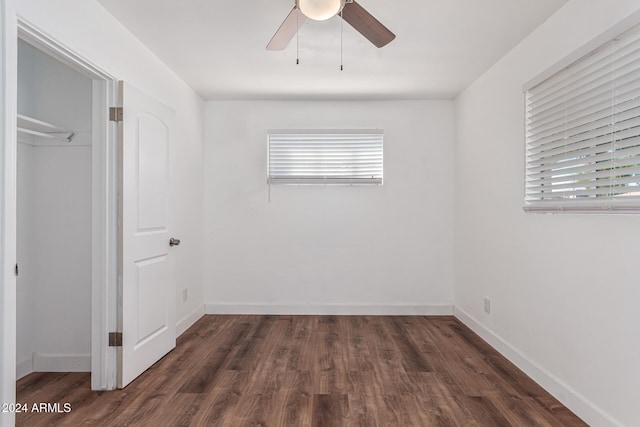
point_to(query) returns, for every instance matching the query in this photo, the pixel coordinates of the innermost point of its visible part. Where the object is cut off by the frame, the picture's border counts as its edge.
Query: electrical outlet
(487, 305)
(185, 294)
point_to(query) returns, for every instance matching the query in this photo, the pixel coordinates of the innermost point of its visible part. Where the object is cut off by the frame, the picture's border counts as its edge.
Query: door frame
(8, 148)
(104, 199)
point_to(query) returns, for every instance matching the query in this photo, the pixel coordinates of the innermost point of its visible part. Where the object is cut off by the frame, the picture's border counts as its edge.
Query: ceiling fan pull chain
(341, 26)
(297, 31)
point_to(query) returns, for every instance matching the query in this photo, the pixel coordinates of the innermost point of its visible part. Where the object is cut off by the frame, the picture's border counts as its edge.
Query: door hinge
(16, 270)
(115, 114)
(115, 339)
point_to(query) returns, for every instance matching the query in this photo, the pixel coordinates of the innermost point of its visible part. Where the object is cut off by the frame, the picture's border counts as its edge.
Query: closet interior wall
(54, 218)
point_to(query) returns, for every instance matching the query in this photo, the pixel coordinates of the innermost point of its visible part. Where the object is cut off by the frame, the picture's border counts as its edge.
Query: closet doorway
(54, 215)
(66, 213)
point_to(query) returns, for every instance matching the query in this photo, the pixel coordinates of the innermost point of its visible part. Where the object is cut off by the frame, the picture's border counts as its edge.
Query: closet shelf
(36, 127)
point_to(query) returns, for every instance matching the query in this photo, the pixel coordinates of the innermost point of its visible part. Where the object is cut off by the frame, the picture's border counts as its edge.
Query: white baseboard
(47, 362)
(187, 321)
(569, 397)
(24, 368)
(334, 309)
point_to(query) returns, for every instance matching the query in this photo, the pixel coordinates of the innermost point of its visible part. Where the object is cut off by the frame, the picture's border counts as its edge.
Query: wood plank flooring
(319, 371)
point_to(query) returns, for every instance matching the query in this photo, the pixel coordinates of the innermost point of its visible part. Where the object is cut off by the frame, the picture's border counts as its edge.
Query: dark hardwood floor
(310, 371)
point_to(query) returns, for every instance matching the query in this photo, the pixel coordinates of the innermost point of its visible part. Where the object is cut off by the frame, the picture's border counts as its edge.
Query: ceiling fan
(320, 10)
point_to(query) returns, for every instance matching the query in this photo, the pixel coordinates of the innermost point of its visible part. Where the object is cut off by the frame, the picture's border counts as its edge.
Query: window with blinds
(583, 132)
(325, 156)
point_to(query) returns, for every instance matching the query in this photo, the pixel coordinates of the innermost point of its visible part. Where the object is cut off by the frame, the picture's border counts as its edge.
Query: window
(325, 156)
(583, 133)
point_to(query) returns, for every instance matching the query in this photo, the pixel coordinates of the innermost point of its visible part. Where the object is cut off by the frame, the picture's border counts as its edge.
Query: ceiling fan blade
(366, 24)
(287, 30)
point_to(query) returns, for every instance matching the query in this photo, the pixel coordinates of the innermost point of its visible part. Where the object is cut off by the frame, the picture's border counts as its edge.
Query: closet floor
(310, 371)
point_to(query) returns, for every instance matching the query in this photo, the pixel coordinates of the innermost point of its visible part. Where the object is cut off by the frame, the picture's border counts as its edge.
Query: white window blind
(325, 156)
(583, 132)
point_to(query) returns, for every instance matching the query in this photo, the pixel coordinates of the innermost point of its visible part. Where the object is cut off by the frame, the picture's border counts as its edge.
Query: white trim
(352, 131)
(188, 321)
(619, 28)
(38, 38)
(338, 309)
(569, 397)
(8, 149)
(104, 203)
(47, 362)
(104, 238)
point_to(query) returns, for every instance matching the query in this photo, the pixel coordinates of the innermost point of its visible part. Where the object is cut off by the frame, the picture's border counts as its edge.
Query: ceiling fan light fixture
(320, 10)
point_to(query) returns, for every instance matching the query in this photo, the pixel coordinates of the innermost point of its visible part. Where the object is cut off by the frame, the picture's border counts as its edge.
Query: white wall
(86, 28)
(24, 292)
(329, 249)
(564, 288)
(56, 271)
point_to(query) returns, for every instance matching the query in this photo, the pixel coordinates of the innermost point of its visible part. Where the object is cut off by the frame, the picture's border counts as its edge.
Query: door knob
(174, 242)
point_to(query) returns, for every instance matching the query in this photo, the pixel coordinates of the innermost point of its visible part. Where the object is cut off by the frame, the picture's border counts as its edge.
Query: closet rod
(36, 127)
(66, 136)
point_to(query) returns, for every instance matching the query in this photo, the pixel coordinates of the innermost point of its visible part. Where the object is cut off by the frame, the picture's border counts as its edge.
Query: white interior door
(147, 270)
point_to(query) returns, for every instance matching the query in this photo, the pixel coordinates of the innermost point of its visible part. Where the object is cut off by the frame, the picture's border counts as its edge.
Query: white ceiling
(441, 46)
